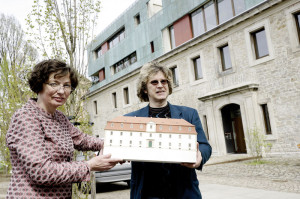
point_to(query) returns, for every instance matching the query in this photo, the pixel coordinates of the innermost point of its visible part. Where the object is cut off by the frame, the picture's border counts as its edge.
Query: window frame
(196, 75)
(222, 57)
(255, 43)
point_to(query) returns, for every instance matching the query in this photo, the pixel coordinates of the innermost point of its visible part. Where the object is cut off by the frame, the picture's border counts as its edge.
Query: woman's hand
(103, 162)
(198, 161)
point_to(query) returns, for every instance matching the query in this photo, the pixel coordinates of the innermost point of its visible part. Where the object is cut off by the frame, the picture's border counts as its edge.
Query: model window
(190, 146)
(225, 57)
(150, 144)
(170, 136)
(160, 135)
(126, 95)
(210, 15)
(131, 125)
(179, 136)
(130, 133)
(111, 133)
(198, 22)
(112, 124)
(174, 71)
(172, 37)
(266, 118)
(130, 143)
(121, 133)
(120, 142)
(141, 126)
(179, 145)
(150, 134)
(197, 68)
(159, 144)
(260, 43)
(297, 18)
(140, 143)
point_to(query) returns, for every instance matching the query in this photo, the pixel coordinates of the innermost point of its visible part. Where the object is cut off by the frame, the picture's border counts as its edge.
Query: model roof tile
(139, 124)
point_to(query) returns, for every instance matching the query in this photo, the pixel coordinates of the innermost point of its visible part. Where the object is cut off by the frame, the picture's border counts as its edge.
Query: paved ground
(226, 178)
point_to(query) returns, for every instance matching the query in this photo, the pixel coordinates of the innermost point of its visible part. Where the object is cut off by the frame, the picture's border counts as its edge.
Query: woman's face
(55, 92)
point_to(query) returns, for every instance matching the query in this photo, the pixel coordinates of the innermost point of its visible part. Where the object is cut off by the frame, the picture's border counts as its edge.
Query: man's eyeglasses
(57, 86)
(163, 82)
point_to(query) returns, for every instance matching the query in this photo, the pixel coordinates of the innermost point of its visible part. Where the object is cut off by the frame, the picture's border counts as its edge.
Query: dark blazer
(187, 182)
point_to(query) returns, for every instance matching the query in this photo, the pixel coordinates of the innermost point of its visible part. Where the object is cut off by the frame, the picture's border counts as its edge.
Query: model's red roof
(163, 125)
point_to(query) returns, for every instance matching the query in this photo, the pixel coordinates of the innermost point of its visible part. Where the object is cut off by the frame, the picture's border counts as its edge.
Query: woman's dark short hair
(41, 72)
(148, 70)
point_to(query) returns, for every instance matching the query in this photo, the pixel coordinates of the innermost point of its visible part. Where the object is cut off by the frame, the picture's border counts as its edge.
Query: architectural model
(151, 139)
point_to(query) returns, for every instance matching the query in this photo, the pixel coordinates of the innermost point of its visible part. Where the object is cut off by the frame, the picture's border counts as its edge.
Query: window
(131, 126)
(130, 143)
(225, 57)
(137, 19)
(225, 11)
(140, 143)
(297, 18)
(126, 95)
(111, 133)
(260, 43)
(239, 6)
(170, 136)
(198, 22)
(121, 133)
(210, 15)
(114, 100)
(124, 63)
(101, 75)
(179, 145)
(98, 52)
(95, 107)
(159, 144)
(266, 119)
(197, 68)
(205, 126)
(152, 46)
(120, 142)
(174, 71)
(150, 143)
(172, 37)
(117, 38)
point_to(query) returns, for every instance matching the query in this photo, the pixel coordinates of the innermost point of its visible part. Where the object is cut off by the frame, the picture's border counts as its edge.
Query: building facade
(236, 61)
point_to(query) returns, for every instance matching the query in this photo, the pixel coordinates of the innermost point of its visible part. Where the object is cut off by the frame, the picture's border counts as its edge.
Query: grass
(259, 162)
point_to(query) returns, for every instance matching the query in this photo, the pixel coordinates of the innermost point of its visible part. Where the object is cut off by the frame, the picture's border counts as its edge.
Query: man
(164, 180)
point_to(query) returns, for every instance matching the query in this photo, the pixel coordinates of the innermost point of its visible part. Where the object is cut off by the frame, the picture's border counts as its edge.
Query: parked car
(121, 172)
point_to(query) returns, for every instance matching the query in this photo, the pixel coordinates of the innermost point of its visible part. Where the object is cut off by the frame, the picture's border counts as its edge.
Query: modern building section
(235, 61)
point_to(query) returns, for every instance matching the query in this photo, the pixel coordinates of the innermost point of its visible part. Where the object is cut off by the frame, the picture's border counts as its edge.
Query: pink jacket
(41, 147)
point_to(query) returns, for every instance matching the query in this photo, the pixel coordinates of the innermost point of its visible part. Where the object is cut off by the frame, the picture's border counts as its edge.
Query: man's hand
(103, 162)
(198, 161)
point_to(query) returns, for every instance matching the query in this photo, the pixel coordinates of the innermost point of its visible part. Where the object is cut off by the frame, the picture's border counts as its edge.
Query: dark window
(225, 11)
(137, 19)
(210, 15)
(206, 126)
(297, 18)
(172, 37)
(266, 118)
(197, 68)
(175, 75)
(133, 58)
(152, 46)
(126, 95)
(95, 107)
(114, 98)
(225, 57)
(198, 22)
(260, 43)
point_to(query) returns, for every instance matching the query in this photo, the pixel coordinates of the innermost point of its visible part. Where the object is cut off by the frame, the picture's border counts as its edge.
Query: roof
(138, 124)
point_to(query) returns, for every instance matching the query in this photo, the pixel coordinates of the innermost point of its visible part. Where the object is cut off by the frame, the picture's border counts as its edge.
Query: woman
(41, 139)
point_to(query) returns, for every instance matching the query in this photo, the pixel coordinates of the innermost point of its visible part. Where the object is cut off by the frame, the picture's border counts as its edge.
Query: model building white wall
(151, 139)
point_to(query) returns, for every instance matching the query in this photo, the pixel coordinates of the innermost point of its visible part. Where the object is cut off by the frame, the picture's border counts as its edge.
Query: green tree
(16, 57)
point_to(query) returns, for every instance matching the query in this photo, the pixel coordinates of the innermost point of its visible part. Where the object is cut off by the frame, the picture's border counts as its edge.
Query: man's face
(157, 89)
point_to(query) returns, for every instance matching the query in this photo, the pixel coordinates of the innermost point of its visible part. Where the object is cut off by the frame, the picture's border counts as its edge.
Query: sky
(110, 10)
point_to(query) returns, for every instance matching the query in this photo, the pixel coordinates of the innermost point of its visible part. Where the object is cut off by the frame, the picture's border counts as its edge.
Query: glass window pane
(198, 68)
(261, 44)
(297, 17)
(225, 10)
(172, 37)
(175, 76)
(198, 23)
(239, 6)
(225, 57)
(210, 15)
